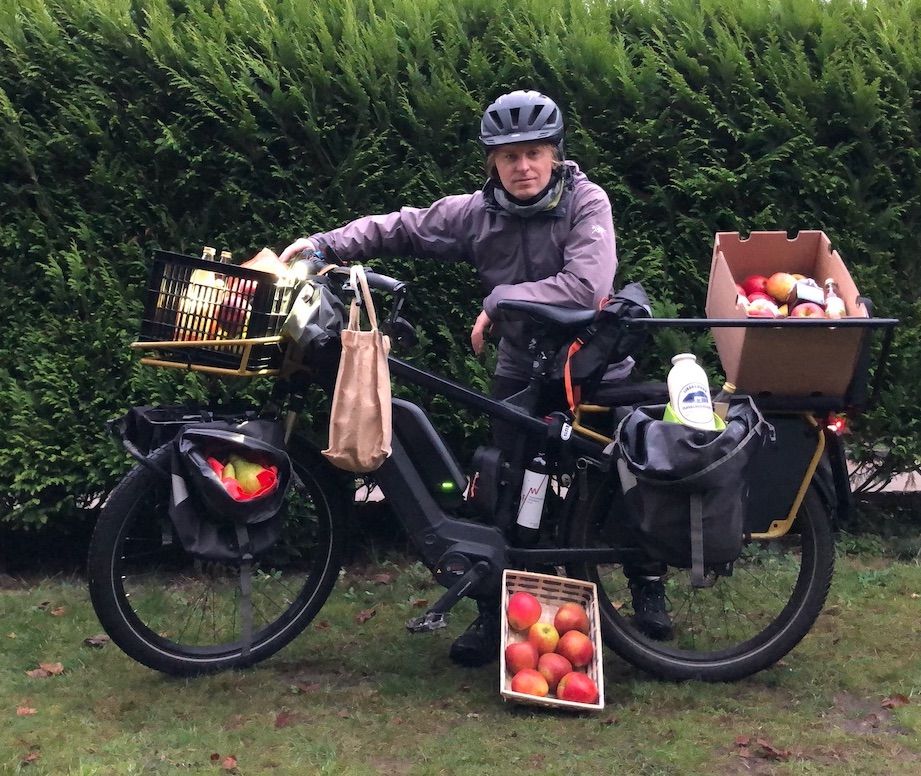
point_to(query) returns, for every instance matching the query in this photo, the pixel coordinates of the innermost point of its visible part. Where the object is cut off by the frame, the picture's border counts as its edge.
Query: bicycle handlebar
(375, 280)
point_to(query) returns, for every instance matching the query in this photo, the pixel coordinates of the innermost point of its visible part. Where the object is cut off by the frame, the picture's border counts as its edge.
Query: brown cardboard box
(814, 361)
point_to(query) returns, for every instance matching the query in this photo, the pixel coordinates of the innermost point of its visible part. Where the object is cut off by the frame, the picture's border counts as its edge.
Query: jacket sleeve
(589, 262)
(434, 232)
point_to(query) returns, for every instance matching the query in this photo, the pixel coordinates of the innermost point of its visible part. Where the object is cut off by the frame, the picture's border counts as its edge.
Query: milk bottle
(689, 392)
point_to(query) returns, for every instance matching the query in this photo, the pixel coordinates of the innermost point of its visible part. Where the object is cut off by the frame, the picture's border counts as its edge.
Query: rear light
(837, 424)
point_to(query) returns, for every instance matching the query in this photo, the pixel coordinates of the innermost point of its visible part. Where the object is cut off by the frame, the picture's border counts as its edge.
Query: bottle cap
(729, 387)
(684, 356)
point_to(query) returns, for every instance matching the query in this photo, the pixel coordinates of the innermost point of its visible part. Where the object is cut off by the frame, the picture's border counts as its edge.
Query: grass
(367, 698)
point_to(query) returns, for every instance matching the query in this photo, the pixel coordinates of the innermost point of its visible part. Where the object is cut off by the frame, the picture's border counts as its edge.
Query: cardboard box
(552, 592)
(814, 361)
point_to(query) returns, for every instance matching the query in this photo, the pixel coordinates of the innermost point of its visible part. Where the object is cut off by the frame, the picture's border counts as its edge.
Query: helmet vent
(513, 113)
(535, 112)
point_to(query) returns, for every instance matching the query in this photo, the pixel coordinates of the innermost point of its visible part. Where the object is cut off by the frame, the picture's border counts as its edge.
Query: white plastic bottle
(689, 392)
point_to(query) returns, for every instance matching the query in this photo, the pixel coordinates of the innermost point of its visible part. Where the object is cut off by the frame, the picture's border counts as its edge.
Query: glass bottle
(225, 257)
(531, 502)
(208, 253)
(689, 392)
(834, 304)
(722, 399)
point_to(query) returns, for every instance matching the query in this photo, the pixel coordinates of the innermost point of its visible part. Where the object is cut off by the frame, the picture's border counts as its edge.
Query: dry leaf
(915, 596)
(229, 763)
(365, 615)
(30, 758)
(25, 711)
(37, 673)
(743, 740)
(58, 611)
(215, 757)
(322, 625)
(419, 603)
(895, 701)
(284, 718)
(53, 669)
(383, 579)
(771, 752)
(343, 715)
(98, 641)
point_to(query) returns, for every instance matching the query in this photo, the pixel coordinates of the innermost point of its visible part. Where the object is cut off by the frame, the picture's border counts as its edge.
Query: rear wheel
(743, 623)
(182, 615)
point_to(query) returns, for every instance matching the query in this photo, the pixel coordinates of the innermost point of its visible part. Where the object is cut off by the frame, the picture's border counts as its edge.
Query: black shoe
(479, 644)
(649, 614)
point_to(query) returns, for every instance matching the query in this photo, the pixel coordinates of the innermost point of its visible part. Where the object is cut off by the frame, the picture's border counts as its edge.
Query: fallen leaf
(54, 669)
(915, 596)
(59, 611)
(322, 625)
(30, 758)
(745, 752)
(895, 701)
(97, 642)
(11, 635)
(37, 673)
(284, 718)
(473, 715)
(25, 711)
(305, 687)
(343, 715)
(383, 579)
(418, 603)
(743, 740)
(229, 763)
(365, 614)
(771, 752)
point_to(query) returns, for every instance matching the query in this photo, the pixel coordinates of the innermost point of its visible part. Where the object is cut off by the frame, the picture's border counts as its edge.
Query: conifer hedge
(127, 125)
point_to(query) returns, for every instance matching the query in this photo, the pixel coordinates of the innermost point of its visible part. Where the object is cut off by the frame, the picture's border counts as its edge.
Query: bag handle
(359, 283)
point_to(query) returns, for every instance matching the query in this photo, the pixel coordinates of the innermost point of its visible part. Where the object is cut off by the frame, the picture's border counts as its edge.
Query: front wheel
(743, 623)
(182, 615)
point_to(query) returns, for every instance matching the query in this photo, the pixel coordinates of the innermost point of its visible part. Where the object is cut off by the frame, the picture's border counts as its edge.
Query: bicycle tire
(753, 618)
(147, 591)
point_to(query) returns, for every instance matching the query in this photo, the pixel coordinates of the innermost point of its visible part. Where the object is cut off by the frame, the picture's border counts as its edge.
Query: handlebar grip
(384, 282)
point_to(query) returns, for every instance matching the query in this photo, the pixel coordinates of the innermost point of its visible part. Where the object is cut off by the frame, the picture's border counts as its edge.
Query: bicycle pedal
(428, 622)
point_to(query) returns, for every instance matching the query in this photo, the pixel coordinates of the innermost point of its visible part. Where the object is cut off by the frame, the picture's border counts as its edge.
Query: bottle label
(694, 405)
(531, 505)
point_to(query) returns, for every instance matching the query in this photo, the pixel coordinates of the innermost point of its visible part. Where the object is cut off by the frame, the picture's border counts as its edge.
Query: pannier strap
(698, 577)
(573, 392)
(246, 589)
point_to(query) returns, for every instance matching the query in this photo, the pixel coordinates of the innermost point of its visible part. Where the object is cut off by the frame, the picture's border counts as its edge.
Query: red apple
(530, 682)
(570, 616)
(520, 655)
(780, 284)
(763, 308)
(576, 647)
(807, 310)
(553, 667)
(523, 610)
(760, 295)
(544, 637)
(740, 291)
(577, 687)
(755, 283)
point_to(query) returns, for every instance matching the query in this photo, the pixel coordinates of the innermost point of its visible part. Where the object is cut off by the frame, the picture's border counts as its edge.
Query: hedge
(128, 125)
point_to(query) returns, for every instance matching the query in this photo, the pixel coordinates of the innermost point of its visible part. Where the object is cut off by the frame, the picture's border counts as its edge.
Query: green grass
(350, 698)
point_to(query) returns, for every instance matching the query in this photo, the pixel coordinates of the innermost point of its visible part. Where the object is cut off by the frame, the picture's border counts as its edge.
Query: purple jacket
(565, 256)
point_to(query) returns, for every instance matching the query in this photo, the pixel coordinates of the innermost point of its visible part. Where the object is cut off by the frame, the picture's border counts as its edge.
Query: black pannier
(686, 488)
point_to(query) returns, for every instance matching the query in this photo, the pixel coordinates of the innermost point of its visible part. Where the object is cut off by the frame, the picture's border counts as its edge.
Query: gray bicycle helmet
(520, 116)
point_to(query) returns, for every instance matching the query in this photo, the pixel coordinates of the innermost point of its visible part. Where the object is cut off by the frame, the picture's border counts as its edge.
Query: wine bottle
(834, 304)
(531, 502)
(721, 400)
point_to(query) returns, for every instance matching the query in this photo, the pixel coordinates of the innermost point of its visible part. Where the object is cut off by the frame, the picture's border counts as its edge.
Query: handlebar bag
(686, 488)
(213, 520)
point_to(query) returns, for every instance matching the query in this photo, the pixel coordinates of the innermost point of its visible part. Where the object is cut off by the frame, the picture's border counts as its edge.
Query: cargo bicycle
(183, 614)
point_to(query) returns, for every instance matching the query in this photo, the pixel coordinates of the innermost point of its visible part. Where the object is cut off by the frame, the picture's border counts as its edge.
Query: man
(539, 230)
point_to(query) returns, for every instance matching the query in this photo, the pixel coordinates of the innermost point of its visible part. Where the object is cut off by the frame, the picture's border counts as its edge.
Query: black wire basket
(213, 317)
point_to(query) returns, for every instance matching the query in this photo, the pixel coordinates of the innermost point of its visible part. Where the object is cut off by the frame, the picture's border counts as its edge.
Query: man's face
(525, 168)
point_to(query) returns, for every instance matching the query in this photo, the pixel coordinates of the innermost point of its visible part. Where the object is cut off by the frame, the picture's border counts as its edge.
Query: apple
(782, 311)
(520, 655)
(807, 310)
(233, 313)
(780, 284)
(576, 647)
(530, 682)
(570, 616)
(553, 667)
(763, 308)
(544, 637)
(523, 610)
(755, 283)
(577, 687)
(740, 291)
(760, 295)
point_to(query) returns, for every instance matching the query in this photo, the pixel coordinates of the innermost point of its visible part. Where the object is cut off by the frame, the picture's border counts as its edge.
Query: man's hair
(494, 152)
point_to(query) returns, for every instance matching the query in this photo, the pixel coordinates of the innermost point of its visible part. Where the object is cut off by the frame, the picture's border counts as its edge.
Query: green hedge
(132, 124)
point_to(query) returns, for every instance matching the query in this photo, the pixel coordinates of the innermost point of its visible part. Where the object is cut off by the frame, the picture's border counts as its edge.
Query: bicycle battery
(435, 463)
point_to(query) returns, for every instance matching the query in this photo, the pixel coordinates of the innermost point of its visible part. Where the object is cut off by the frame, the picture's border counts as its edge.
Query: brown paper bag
(360, 423)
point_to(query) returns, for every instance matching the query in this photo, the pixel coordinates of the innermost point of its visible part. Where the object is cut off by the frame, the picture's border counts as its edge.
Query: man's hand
(481, 328)
(300, 244)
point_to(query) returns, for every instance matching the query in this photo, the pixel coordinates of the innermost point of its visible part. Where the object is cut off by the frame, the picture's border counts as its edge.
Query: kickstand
(436, 616)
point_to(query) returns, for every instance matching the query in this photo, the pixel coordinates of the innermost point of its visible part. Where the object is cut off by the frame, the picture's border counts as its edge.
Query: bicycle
(180, 615)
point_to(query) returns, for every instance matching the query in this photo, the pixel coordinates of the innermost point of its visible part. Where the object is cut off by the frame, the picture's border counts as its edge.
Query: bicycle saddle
(559, 317)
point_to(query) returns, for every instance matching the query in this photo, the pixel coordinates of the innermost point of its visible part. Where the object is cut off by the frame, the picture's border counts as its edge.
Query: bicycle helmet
(520, 116)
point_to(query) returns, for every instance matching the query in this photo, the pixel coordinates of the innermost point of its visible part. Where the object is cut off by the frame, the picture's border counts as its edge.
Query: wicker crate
(211, 316)
(552, 592)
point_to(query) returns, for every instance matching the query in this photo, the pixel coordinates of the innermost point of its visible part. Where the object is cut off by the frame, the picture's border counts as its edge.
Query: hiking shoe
(649, 612)
(479, 644)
